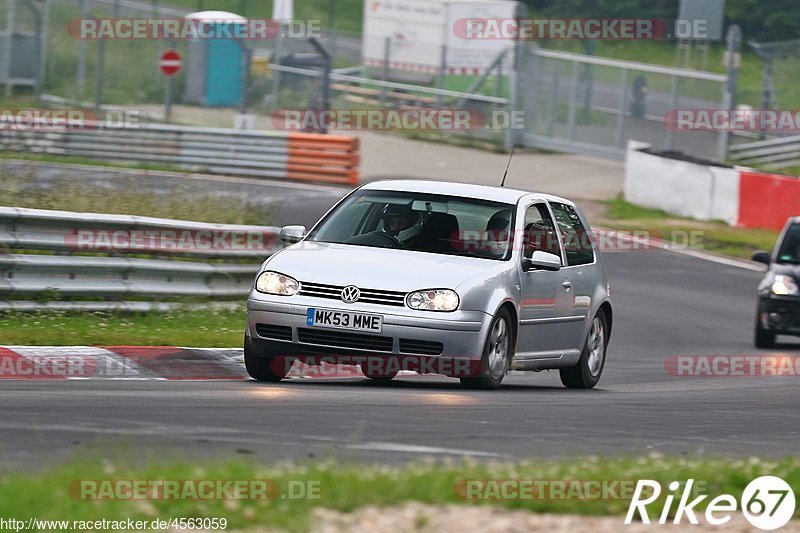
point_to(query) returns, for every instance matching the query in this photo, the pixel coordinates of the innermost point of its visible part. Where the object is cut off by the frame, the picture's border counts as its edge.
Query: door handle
(567, 285)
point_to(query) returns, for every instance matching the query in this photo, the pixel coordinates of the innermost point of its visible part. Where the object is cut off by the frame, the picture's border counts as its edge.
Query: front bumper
(780, 314)
(461, 334)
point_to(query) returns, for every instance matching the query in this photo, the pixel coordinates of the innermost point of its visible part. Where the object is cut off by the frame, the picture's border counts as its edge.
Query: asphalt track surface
(665, 303)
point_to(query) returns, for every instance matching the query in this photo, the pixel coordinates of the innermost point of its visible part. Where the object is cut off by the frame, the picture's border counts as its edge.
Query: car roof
(467, 190)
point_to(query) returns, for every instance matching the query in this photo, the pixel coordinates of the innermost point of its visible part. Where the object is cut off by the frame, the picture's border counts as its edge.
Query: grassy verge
(215, 327)
(128, 196)
(80, 160)
(715, 237)
(348, 487)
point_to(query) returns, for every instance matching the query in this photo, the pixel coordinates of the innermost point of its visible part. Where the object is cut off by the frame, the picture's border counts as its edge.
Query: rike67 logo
(767, 503)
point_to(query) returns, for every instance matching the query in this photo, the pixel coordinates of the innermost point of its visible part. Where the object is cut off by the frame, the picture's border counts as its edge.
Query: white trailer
(419, 32)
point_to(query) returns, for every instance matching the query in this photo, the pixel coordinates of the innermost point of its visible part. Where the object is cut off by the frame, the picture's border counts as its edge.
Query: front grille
(369, 296)
(269, 331)
(421, 347)
(339, 339)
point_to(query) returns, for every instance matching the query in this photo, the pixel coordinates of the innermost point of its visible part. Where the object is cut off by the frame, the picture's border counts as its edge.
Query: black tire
(493, 369)
(381, 378)
(263, 367)
(763, 338)
(586, 373)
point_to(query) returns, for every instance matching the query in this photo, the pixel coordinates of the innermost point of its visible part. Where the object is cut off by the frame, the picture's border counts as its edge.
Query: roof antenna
(503, 183)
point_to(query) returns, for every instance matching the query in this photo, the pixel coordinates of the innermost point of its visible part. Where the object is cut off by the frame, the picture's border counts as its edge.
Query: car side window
(539, 233)
(576, 239)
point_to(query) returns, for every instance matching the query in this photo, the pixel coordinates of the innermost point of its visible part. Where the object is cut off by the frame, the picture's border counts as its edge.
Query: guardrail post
(623, 83)
(734, 40)
(387, 45)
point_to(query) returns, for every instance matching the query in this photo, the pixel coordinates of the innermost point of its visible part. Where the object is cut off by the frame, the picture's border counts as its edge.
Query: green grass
(715, 237)
(128, 196)
(214, 327)
(348, 487)
(80, 160)
(619, 209)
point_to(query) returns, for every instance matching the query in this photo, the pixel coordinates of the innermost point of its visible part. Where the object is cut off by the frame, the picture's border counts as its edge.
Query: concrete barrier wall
(681, 188)
(767, 200)
(739, 196)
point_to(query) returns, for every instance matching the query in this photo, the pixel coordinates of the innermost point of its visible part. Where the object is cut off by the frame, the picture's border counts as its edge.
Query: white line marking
(718, 259)
(410, 448)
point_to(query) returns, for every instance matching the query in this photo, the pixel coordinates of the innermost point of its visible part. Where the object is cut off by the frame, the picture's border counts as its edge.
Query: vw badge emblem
(350, 294)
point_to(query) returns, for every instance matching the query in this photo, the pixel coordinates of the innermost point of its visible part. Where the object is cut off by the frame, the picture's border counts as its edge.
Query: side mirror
(542, 260)
(292, 234)
(761, 257)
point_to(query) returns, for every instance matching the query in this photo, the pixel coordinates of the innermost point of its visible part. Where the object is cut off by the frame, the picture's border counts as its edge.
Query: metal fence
(126, 71)
(570, 102)
(588, 104)
(66, 260)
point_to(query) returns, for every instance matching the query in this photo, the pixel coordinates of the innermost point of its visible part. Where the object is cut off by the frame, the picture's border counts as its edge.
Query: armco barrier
(288, 155)
(123, 259)
(739, 196)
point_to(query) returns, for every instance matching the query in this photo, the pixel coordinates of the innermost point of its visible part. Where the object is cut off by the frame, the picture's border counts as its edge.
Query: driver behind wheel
(396, 218)
(401, 222)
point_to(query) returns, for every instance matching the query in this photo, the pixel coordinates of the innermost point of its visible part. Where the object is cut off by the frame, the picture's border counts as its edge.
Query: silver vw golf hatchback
(462, 280)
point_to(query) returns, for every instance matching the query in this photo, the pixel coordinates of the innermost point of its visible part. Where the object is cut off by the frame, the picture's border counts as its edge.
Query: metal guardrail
(122, 258)
(769, 154)
(298, 156)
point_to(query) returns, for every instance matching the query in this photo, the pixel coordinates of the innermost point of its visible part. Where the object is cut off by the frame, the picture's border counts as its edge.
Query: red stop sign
(170, 63)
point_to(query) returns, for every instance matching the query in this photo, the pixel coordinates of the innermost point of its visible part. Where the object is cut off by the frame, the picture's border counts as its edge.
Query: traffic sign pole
(168, 99)
(170, 65)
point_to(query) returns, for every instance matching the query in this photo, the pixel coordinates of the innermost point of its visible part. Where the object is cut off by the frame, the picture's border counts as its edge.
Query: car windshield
(790, 248)
(421, 222)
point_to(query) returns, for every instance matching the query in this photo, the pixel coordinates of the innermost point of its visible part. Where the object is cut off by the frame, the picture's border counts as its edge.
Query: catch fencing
(588, 104)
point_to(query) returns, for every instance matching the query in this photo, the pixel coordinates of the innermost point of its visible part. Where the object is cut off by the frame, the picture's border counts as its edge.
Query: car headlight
(433, 300)
(276, 283)
(784, 285)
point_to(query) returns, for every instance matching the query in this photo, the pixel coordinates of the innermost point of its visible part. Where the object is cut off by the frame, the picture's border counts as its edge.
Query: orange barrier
(321, 157)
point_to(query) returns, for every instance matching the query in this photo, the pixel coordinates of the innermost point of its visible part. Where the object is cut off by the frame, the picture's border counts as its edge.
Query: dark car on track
(779, 292)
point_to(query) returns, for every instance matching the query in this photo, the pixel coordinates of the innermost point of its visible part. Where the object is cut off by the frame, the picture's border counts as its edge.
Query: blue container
(224, 72)
(215, 66)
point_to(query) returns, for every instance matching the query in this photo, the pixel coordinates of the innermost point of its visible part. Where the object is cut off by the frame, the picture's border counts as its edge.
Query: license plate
(328, 318)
